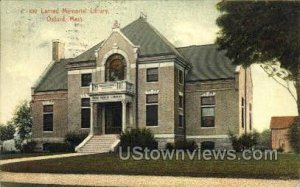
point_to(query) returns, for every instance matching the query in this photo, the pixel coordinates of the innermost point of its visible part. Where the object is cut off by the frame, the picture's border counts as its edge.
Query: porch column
(92, 119)
(124, 115)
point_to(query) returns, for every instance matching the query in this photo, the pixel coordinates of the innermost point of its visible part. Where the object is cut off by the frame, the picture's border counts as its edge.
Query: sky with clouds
(26, 39)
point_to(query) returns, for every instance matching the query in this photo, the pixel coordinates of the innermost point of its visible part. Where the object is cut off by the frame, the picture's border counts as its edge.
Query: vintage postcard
(150, 93)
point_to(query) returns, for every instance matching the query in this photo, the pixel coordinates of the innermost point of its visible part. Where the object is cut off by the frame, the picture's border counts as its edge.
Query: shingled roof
(142, 34)
(55, 78)
(208, 63)
(282, 122)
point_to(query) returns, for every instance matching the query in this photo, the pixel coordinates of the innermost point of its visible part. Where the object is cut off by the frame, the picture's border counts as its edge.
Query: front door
(113, 118)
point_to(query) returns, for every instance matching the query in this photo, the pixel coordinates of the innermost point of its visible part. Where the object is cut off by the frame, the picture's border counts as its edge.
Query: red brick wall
(60, 114)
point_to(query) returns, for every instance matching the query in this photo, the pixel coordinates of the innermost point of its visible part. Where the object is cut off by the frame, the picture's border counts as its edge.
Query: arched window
(115, 68)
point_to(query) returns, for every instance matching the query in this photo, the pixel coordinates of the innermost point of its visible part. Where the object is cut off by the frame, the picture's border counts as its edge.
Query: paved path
(128, 180)
(125, 180)
(7, 161)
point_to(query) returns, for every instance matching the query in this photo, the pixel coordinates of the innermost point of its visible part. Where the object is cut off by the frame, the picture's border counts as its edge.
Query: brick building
(137, 79)
(280, 126)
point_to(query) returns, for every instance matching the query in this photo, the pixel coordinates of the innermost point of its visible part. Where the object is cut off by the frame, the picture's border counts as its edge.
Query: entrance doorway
(113, 118)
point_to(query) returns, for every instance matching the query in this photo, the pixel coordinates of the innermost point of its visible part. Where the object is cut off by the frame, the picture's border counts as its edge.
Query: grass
(23, 155)
(286, 167)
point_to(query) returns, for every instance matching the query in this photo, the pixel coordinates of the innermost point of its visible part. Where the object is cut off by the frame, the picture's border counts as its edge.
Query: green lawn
(24, 155)
(286, 167)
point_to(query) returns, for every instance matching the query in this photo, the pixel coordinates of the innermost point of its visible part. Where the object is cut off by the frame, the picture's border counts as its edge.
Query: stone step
(99, 144)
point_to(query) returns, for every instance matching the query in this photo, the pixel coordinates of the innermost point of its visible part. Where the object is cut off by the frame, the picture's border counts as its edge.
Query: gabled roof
(55, 78)
(208, 63)
(150, 40)
(88, 55)
(282, 122)
(142, 34)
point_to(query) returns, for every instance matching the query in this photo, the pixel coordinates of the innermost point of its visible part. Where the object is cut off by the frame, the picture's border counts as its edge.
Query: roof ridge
(195, 46)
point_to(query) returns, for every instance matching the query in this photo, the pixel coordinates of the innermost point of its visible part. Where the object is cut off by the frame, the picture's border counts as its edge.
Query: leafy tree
(22, 119)
(264, 140)
(7, 131)
(266, 32)
(294, 136)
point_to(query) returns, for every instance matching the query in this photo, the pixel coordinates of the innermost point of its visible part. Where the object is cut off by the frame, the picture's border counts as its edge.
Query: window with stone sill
(152, 110)
(85, 113)
(48, 118)
(181, 120)
(152, 75)
(86, 79)
(208, 111)
(180, 77)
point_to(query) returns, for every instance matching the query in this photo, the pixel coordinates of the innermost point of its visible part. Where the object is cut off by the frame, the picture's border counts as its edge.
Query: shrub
(59, 147)
(186, 145)
(28, 147)
(182, 145)
(143, 138)
(280, 150)
(75, 138)
(245, 141)
(294, 136)
(170, 146)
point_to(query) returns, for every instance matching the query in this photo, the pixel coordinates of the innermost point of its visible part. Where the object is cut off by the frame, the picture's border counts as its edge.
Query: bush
(28, 147)
(294, 136)
(245, 141)
(170, 146)
(186, 145)
(280, 150)
(75, 138)
(182, 145)
(143, 138)
(58, 147)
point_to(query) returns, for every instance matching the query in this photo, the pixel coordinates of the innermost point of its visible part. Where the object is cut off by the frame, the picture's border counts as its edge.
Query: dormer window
(115, 68)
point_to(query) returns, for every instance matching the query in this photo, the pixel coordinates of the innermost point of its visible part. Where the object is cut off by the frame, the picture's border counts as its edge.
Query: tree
(22, 119)
(7, 131)
(266, 32)
(264, 140)
(294, 136)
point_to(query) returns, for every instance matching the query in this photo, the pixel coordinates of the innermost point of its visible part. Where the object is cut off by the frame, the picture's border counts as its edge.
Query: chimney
(58, 50)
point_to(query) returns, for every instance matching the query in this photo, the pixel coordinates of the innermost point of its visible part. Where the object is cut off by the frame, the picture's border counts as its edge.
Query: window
(180, 101)
(85, 113)
(115, 68)
(243, 112)
(180, 76)
(152, 75)
(208, 111)
(251, 120)
(48, 117)
(181, 120)
(86, 79)
(207, 145)
(152, 110)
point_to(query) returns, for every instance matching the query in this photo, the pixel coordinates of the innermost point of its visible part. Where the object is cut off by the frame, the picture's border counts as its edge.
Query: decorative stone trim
(81, 71)
(207, 136)
(48, 102)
